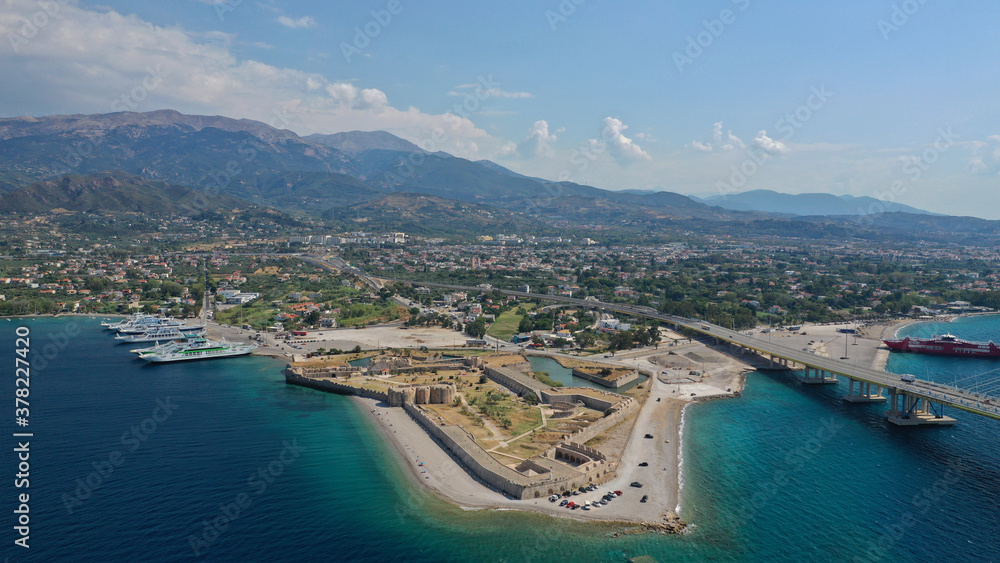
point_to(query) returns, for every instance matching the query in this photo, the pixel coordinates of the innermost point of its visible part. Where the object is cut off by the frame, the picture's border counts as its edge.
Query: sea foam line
(680, 458)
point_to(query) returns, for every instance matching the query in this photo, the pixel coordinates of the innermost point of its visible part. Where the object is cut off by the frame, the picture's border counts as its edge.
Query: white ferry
(141, 322)
(195, 349)
(159, 334)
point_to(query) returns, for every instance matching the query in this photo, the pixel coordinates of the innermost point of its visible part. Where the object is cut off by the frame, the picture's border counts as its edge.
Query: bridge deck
(934, 392)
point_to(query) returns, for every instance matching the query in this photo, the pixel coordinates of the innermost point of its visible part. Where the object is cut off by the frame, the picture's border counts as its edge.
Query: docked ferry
(195, 349)
(160, 334)
(943, 345)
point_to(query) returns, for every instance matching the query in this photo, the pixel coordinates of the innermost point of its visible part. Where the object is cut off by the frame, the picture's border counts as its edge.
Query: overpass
(911, 403)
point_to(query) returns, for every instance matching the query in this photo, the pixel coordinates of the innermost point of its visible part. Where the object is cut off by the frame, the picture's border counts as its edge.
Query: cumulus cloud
(539, 140)
(488, 92)
(623, 149)
(721, 140)
(767, 144)
(297, 23)
(100, 61)
(984, 155)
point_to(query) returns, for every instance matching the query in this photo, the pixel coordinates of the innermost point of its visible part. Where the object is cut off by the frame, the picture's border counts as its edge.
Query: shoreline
(428, 462)
(429, 465)
(659, 468)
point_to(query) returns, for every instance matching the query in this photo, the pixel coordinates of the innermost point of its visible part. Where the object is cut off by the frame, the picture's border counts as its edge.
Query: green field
(506, 324)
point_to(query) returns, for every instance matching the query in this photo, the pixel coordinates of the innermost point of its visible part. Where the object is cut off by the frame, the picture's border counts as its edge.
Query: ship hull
(944, 346)
(171, 359)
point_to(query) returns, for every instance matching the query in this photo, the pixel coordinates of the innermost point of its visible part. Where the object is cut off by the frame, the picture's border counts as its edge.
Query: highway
(937, 393)
(961, 399)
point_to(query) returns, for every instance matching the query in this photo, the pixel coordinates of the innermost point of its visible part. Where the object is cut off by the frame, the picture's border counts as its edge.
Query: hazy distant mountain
(113, 193)
(381, 179)
(806, 204)
(360, 141)
(429, 214)
(494, 166)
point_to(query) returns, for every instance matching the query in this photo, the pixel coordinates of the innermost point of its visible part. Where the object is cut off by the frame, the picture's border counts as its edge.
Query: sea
(222, 461)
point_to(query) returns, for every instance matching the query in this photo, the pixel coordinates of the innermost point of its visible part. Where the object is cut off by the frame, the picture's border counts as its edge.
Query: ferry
(195, 349)
(159, 334)
(158, 323)
(944, 345)
(141, 322)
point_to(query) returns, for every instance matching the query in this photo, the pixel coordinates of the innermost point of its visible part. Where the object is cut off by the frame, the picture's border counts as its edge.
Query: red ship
(943, 345)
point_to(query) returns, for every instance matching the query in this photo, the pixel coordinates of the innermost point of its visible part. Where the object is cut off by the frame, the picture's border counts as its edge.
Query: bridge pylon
(813, 376)
(867, 393)
(911, 410)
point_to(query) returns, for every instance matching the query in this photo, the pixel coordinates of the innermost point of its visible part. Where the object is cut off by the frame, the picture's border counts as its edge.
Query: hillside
(351, 176)
(114, 193)
(428, 214)
(806, 204)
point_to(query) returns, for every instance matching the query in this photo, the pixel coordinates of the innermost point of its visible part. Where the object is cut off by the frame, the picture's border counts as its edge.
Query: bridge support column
(912, 410)
(813, 376)
(864, 394)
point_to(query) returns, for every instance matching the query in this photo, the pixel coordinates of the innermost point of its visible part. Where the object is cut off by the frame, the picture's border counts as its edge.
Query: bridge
(911, 403)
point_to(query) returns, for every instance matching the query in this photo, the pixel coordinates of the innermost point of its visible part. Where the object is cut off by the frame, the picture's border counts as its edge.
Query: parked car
(635, 484)
(649, 435)
(644, 498)
(644, 464)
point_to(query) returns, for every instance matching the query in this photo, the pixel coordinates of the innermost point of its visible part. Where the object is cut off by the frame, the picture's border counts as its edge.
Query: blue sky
(895, 99)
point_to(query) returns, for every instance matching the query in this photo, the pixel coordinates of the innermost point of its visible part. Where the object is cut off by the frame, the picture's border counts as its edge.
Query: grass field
(506, 324)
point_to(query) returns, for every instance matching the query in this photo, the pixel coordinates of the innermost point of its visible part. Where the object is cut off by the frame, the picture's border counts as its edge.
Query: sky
(892, 99)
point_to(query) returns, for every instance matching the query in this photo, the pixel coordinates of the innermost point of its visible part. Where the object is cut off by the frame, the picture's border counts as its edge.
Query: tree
(654, 336)
(586, 339)
(311, 318)
(622, 340)
(476, 328)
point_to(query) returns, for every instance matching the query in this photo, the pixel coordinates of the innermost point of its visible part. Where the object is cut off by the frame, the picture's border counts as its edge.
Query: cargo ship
(944, 345)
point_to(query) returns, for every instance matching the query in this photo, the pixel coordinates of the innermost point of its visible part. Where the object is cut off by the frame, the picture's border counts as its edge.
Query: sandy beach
(683, 374)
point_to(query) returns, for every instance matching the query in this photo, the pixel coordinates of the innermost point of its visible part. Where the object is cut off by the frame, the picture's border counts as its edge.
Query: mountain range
(806, 204)
(378, 178)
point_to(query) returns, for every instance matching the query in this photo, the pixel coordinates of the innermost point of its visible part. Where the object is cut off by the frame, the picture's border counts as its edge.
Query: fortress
(564, 466)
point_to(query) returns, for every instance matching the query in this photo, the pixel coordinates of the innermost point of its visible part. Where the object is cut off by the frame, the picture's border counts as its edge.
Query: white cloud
(768, 144)
(623, 149)
(303, 22)
(90, 61)
(539, 140)
(720, 140)
(489, 92)
(984, 155)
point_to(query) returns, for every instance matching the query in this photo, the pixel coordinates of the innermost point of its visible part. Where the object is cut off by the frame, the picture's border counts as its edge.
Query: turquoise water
(786, 473)
(566, 377)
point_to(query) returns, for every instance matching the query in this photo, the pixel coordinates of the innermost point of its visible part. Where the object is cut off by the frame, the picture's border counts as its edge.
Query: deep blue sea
(222, 461)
